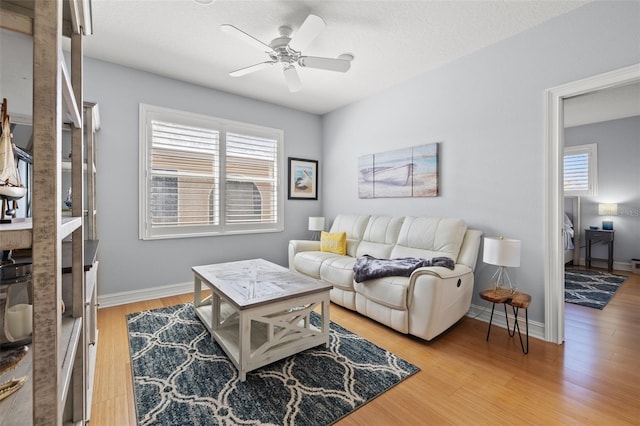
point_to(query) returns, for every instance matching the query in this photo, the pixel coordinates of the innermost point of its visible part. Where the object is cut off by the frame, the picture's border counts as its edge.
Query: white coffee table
(258, 311)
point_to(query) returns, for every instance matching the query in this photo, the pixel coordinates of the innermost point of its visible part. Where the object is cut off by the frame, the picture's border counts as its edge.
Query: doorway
(554, 148)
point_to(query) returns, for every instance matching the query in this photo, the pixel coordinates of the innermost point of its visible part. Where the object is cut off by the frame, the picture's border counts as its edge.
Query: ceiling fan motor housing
(281, 51)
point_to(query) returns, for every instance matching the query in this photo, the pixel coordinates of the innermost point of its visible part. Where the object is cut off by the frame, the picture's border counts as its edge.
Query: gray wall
(127, 263)
(618, 182)
(487, 111)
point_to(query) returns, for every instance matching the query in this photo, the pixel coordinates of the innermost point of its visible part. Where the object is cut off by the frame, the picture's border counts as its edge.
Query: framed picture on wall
(303, 179)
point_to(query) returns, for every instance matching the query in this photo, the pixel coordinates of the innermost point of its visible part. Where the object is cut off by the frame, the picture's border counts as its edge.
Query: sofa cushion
(380, 236)
(338, 271)
(333, 242)
(354, 226)
(309, 262)
(429, 237)
(388, 291)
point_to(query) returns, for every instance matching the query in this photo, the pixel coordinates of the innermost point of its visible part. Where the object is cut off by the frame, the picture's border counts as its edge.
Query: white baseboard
(124, 297)
(483, 313)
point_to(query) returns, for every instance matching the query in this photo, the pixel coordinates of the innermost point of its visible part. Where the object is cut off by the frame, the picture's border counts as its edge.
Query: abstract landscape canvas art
(406, 172)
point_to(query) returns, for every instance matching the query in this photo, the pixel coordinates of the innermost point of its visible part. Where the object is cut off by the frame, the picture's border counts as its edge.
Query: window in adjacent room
(207, 176)
(581, 170)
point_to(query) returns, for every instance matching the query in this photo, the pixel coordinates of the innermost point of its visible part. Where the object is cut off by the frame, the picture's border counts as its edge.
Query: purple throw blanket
(368, 267)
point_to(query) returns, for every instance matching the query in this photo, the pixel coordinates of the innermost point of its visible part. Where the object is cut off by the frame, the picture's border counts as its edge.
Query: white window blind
(207, 176)
(184, 175)
(251, 179)
(580, 170)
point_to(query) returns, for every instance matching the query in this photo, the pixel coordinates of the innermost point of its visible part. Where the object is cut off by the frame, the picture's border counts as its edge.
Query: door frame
(553, 155)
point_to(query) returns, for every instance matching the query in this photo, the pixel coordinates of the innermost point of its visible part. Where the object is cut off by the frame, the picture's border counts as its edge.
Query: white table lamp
(607, 209)
(503, 253)
(316, 225)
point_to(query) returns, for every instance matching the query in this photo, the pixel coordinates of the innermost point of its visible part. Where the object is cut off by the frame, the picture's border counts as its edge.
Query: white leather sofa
(425, 304)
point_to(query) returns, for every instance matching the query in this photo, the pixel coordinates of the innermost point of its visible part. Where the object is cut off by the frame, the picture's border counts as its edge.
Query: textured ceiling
(392, 41)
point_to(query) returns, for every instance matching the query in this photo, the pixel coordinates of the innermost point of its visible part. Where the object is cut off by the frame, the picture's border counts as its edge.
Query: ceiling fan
(287, 51)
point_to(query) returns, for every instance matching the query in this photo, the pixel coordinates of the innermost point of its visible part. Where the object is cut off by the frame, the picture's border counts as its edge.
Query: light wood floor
(594, 378)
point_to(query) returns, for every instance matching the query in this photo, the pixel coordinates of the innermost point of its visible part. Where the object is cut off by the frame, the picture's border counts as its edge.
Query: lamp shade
(607, 209)
(316, 223)
(501, 251)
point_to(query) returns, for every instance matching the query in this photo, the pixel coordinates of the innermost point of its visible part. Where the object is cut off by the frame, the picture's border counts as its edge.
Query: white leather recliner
(425, 304)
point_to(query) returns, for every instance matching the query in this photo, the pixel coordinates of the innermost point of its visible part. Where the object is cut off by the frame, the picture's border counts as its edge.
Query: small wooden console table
(599, 236)
(518, 301)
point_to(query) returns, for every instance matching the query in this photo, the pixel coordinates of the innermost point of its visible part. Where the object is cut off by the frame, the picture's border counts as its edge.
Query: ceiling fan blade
(293, 80)
(308, 31)
(237, 32)
(252, 68)
(330, 64)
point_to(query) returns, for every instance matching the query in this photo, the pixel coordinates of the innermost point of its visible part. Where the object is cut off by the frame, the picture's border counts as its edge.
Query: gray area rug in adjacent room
(590, 288)
(180, 377)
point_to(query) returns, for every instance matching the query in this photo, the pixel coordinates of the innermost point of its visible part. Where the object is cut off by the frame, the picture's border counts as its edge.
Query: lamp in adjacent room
(607, 209)
(503, 253)
(316, 225)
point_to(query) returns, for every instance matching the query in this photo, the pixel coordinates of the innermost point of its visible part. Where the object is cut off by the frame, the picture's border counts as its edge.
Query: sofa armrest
(470, 247)
(297, 246)
(441, 272)
(435, 276)
(437, 298)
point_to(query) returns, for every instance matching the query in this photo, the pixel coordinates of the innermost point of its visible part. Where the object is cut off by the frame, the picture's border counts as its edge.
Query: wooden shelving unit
(58, 369)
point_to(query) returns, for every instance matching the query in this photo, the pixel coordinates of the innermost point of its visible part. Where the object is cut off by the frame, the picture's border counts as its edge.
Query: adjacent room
(319, 212)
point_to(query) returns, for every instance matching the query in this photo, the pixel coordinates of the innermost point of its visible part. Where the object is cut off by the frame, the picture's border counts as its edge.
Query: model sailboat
(11, 187)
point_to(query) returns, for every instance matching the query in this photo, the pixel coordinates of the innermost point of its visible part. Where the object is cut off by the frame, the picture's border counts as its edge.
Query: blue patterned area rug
(590, 288)
(181, 377)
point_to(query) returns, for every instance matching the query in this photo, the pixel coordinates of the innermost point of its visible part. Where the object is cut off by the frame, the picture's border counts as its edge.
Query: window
(207, 176)
(164, 198)
(581, 170)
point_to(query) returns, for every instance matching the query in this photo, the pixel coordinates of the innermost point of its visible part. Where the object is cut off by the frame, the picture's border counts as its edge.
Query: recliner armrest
(441, 271)
(297, 246)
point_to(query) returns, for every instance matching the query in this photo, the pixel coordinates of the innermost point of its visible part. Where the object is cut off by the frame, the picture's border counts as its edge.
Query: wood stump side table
(517, 300)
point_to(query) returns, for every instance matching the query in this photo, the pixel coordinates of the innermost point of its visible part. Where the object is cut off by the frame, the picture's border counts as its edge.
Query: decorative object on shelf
(11, 187)
(10, 359)
(303, 179)
(607, 209)
(406, 172)
(11, 386)
(16, 309)
(68, 200)
(503, 253)
(316, 225)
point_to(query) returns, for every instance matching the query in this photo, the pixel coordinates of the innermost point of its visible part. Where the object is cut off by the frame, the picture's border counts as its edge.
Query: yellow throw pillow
(334, 242)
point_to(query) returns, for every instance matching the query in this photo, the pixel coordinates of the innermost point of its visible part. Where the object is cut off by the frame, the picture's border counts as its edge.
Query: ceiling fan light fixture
(205, 2)
(293, 80)
(287, 51)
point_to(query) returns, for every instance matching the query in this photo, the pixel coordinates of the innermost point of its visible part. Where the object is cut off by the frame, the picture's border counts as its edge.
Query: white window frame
(592, 152)
(147, 113)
